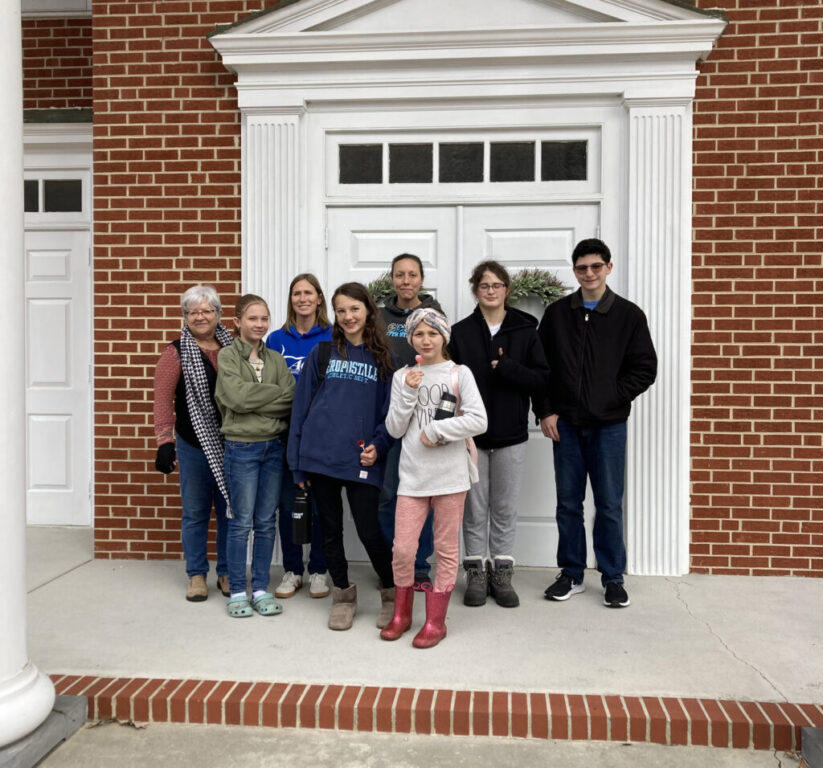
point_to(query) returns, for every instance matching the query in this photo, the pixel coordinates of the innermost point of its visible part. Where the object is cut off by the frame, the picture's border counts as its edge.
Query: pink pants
(410, 515)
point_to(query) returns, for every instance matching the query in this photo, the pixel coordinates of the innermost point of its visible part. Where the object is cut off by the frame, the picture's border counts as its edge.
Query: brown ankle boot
(386, 607)
(343, 607)
(197, 590)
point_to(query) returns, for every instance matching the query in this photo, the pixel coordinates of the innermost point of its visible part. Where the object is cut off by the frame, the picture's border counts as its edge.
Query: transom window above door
(557, 161)
(463, 162)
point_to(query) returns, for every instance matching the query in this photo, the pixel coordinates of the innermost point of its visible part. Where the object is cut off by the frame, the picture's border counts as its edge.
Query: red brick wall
(56, 63)
(167, 216)
(757, 369)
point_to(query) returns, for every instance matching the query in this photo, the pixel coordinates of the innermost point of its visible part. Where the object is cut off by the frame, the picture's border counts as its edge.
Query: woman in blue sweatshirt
(338, 440)
(306, 325)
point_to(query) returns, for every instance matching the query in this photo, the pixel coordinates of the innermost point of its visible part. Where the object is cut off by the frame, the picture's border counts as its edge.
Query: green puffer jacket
(253, 411)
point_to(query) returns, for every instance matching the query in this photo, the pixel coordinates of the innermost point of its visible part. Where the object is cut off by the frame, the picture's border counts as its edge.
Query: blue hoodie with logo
(349, 406)
(295, 346)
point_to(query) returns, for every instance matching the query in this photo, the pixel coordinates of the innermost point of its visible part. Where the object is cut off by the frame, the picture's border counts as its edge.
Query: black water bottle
(301, 517)
(447, 407)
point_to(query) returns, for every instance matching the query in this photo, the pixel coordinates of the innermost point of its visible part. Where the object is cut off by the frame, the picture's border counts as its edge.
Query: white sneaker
(290, 583)
(318, 586)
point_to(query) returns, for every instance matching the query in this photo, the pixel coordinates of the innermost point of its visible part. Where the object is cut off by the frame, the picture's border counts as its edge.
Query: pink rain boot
(403, 601)
(434, 630)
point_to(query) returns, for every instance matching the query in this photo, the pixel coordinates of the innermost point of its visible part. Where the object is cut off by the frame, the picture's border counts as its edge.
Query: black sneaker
(615, 596)
(500, 584)
(477, 583)
(563, 588)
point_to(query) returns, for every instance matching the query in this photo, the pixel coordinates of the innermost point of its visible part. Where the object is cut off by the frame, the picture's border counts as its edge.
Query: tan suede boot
(197, 591)
(343, 607)
(386, 608)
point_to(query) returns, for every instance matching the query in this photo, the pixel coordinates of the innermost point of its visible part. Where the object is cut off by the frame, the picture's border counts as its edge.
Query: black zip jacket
(600, 359)
(521, 372)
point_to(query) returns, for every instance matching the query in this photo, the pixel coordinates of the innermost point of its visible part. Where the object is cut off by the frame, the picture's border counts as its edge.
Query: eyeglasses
(485, 287)
(201, 313)
(581, 269)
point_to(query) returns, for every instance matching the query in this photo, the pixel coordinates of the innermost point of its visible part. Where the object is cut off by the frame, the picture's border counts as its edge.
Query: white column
(272, 159)
(26, 695)
(659, 281)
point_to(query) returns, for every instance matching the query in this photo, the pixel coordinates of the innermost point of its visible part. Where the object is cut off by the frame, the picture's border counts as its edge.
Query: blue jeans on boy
(600, 453)
(254, 472)
(293, 553)
(388, 503)
(198, 492)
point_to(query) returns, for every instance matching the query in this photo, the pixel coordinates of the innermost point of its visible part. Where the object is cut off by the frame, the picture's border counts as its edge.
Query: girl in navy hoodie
(338, 440)
(306, 325)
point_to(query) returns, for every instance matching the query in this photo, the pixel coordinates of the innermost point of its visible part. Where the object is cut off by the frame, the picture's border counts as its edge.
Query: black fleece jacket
(521, 372)
(600, 359)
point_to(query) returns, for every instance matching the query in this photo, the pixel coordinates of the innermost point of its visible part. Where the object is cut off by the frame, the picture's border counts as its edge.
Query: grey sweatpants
(490, 516)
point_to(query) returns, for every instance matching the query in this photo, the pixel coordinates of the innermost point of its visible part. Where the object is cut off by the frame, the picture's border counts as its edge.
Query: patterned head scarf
(432, 317)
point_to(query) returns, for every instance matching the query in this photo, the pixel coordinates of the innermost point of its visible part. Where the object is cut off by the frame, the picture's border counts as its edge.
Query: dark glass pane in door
(461, 163)
(410, 163)
(30, 202)
(361, 163)
(512, 161)
(63, 195)
(563, 161)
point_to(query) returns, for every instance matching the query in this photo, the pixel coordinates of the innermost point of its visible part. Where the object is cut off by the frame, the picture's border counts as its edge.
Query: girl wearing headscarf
(435, 407)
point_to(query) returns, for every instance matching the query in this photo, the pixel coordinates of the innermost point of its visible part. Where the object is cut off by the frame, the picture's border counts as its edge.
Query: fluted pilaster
(659, 255)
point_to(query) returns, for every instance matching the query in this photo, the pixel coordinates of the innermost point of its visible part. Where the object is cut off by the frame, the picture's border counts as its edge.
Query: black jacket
(600, 359)
(394, 319)
(521, 372)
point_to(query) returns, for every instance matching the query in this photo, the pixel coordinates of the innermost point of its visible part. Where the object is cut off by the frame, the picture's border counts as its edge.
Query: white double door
(58, 375)
(450, 240)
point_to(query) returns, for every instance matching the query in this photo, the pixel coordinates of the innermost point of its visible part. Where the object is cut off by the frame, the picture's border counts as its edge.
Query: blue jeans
(199, 491)
(600, 453)
(388, 502)
(254, 472)
(293, 553)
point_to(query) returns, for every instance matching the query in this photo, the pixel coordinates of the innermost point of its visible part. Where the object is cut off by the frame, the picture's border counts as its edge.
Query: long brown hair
(374, 335)
(321, 317)
(243, 303)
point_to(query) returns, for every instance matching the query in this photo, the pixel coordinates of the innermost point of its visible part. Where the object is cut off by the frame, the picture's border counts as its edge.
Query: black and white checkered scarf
(202, 408)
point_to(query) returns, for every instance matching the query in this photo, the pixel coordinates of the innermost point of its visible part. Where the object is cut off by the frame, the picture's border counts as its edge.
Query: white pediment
(368, 16)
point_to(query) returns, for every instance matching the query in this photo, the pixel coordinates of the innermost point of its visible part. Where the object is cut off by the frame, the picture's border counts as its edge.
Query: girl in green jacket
(254, 391)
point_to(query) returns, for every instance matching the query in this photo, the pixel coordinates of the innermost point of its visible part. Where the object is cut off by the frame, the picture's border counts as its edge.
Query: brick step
(655, 719)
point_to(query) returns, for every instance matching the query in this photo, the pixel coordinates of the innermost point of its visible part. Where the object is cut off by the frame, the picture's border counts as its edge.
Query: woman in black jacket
(500, 345)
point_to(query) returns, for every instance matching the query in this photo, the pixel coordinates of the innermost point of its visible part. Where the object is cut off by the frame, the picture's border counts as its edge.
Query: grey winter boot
(500, 583)
(477, 582)
(343, 607)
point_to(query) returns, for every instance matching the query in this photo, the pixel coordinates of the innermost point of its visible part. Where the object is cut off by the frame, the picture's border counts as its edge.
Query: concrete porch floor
(695, 637)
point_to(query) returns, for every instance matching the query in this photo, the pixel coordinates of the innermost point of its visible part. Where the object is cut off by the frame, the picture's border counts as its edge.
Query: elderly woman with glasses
(185, 415)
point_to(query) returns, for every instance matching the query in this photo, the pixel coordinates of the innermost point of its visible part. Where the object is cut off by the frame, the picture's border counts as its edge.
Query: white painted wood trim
(272, 171)
(659, 260)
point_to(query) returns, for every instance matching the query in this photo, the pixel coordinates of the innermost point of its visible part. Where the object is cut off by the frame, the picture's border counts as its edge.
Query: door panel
(58, 431)
(451, 240)
(363, 241)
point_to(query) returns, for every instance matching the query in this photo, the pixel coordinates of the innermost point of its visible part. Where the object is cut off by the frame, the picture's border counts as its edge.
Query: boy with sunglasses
(601, 357)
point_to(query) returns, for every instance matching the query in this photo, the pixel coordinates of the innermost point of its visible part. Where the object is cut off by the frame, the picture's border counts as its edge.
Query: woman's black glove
(165, 459)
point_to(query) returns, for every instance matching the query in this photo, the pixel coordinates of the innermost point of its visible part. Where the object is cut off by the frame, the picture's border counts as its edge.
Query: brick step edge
(655, 719)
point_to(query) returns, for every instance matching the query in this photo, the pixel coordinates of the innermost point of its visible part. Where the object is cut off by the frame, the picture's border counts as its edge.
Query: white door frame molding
(321, 55)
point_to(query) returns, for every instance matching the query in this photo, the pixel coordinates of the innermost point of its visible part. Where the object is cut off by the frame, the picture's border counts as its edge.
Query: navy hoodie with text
(328, 422)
